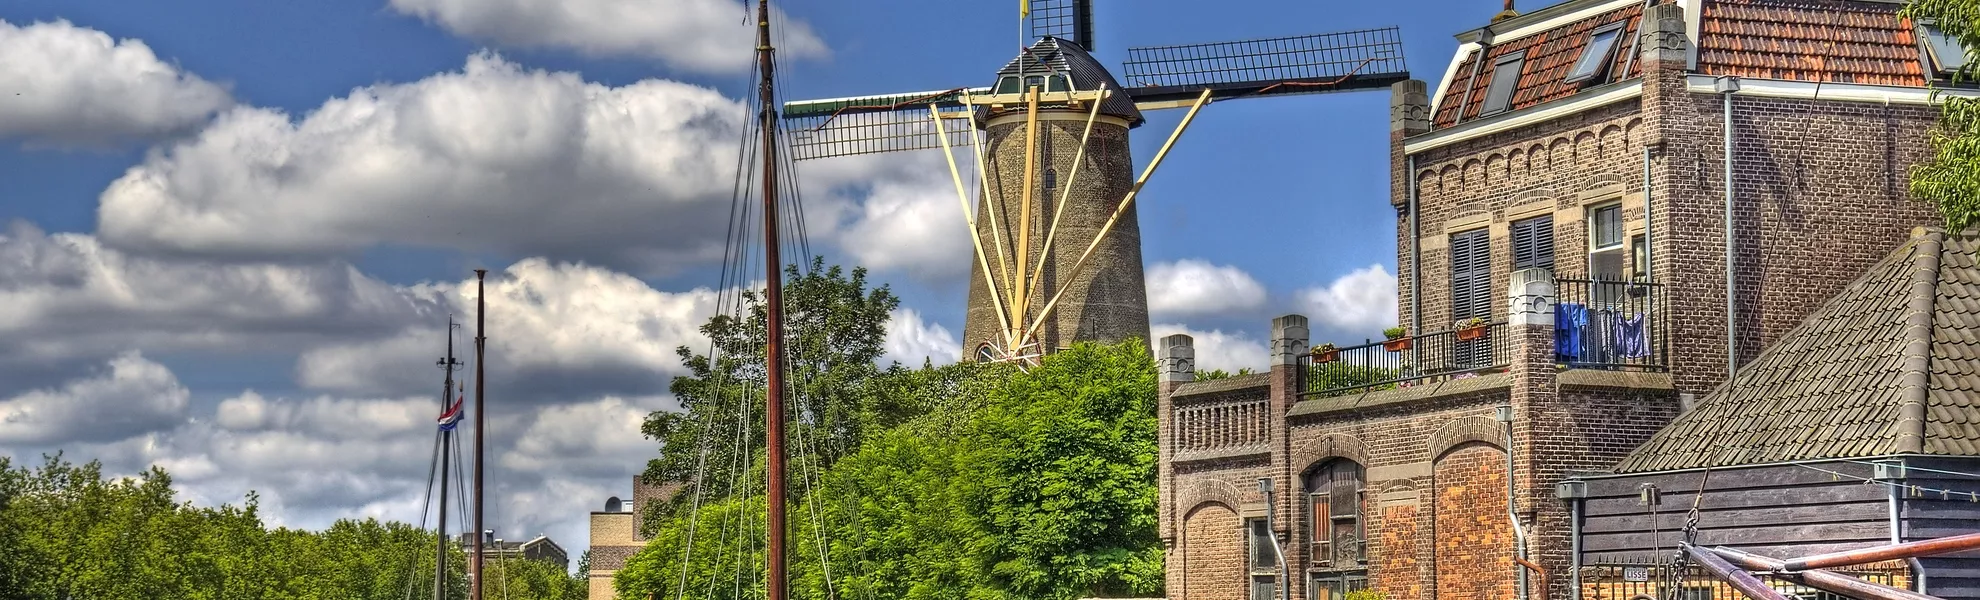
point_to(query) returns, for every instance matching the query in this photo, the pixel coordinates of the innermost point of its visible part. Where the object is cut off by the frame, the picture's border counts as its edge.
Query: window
(1639, 257)
(1007, 85)
(984, 354)
(1471, 275)
(1505, 77)
(1533, 243)
(1595, 56)
(1605, 242)
(1264, 558)
(1943, 52)
(1338, 498)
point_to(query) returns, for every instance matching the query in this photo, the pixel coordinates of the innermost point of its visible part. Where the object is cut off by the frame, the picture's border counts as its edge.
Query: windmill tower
(1056, 237)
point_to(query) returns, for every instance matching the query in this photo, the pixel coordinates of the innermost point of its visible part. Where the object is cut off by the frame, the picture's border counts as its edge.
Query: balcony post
(1534, 404)
(1175, 365)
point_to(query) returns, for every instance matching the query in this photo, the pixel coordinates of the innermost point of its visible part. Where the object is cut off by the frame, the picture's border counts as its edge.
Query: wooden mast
(446, 391)
(480, 416)
(774, 310)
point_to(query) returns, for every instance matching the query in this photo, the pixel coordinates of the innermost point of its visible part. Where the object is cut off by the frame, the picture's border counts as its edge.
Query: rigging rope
(432, 469)
(1681, 563)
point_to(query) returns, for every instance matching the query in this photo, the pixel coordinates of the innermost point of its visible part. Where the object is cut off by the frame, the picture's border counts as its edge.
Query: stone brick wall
(1108, 300)
(1213, 562)
(1474, 540)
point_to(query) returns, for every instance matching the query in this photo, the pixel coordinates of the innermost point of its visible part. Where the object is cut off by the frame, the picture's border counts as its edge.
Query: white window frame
(1601, 64)
(1621, 245)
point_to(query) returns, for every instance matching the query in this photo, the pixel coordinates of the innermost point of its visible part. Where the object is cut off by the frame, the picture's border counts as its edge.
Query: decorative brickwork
(1308, 452)
(1473, 538)
(1483, 430)
(1399, 540)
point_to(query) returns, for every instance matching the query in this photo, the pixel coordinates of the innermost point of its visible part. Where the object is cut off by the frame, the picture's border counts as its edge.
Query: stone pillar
(1536, 440)
(1175, 365)
(1289, 341)
(1409, 115)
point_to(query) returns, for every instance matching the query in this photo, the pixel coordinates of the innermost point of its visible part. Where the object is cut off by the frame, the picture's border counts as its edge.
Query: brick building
(1567, 184)
(615, 534)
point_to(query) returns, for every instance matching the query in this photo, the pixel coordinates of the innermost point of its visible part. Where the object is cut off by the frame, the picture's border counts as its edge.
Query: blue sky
(240, 227)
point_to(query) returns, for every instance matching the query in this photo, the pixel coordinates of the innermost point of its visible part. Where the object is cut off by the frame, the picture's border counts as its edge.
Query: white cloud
(65, 297)
(1360, 303)
(1217, 349)
(134, 397)
(66, 85)
(911, 222)
(553, 327)
(912, 340)
(1196, 287)
(492, 158)
(699, 35)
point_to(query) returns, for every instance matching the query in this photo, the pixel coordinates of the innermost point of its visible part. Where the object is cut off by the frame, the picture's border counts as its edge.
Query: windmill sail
(872, 124)
(1170, 76)
(1070, 20)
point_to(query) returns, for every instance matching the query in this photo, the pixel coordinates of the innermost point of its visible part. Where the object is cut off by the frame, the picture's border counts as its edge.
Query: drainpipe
(1415, 253)
(1285, 578)
(1890, 472)
(1726, 86)
(1575, 492)
(1649, 223)
(1512, 511)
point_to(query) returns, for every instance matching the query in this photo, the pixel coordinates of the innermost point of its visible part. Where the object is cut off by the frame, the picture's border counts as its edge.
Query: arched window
(1336, 528)
(985, 354)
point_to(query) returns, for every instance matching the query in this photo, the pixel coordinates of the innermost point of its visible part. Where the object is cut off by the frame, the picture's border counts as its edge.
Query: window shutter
(1533, 243)
(1471, 274)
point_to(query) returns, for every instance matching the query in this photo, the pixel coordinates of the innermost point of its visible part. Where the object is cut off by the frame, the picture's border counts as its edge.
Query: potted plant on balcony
(1470, 329)
(1326, 353)
(1398, 340)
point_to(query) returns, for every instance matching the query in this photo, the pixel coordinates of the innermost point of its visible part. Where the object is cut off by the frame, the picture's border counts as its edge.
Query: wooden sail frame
(1012, 299)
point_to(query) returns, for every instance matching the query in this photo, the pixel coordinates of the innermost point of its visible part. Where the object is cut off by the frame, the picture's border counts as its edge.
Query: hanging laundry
(1634, 343)
(1569, 319)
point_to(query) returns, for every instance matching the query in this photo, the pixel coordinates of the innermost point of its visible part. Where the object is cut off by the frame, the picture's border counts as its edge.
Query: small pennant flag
(1024, 8)
(453, 415)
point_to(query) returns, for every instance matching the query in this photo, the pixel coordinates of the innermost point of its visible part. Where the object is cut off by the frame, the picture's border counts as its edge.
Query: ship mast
(480, 416)
(774, 309)
(446, 437)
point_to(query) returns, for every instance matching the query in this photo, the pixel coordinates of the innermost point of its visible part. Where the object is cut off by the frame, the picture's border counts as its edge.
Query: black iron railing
(1611, 324)
(1404, 361)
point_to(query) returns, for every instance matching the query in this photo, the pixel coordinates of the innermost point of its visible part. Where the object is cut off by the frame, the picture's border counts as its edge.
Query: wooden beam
(1059, 210)
(1043, 96)
(994, 208)
(1127, 202)
(977, 242)
(1741, 580)
(1024, 209)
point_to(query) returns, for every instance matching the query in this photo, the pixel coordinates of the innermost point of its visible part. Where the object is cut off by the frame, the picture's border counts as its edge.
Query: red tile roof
(1549, 56)
(1835, 41)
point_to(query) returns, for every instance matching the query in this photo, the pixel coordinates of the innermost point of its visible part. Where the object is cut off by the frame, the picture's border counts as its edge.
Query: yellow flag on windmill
(1024, 8)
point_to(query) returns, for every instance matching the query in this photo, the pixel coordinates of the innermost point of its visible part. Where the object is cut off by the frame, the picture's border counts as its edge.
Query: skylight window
(1944, 52)
(1595, 54)
(1505, 77)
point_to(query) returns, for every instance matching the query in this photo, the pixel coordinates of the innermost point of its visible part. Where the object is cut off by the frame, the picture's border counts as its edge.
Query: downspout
(1415, 253)
(1574, 558)
(1726, 86)
(1512, 510)
(1649, 224)
(1285, 576)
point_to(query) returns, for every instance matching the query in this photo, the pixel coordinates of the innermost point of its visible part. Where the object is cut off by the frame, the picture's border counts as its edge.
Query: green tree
(1950, 179)
(834, 330)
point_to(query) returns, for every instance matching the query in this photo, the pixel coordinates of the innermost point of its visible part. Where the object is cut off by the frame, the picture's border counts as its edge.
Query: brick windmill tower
(1057, 242)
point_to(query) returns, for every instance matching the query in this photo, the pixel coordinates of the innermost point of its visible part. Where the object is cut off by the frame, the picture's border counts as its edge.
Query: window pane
(1262, 589)
(1505, 77)
(1605, 226)
(1326, 588)
(1640, 256)
(1595, 55)
(1320, 516)
(1947, 54)
(1262, 555)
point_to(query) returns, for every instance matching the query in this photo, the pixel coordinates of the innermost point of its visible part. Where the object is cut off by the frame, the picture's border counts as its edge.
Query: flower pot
(1466, 335)
(1396, 345)
(1327, 356)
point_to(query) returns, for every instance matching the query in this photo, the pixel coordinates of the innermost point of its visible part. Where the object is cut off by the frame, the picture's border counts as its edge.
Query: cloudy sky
(232, 231)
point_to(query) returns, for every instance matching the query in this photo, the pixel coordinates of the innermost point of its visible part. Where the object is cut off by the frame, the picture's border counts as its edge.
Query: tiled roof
(1835, 41)
(1549, 56)
(1048, 54)
(1835, 386)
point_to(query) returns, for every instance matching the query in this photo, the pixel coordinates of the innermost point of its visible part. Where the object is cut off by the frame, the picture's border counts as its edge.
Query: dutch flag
(453, 415)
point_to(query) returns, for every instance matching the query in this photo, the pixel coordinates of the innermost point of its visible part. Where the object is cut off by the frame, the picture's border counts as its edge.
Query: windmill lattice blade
(1290, 65)
(873, 124)
(1064, 19)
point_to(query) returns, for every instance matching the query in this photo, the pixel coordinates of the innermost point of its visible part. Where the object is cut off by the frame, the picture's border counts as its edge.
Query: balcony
(1611, 325)
(1404, 361)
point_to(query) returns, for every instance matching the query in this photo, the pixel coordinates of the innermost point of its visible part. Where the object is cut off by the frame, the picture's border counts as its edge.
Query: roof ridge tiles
(1919, 317)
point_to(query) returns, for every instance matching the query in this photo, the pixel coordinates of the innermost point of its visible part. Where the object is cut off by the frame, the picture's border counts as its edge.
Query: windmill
(1056, 239)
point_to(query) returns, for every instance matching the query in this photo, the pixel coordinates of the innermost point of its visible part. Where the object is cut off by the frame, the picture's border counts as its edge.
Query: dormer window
(1943, 53)
(1505, 77)
(1596, 54)
(1007, 85)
